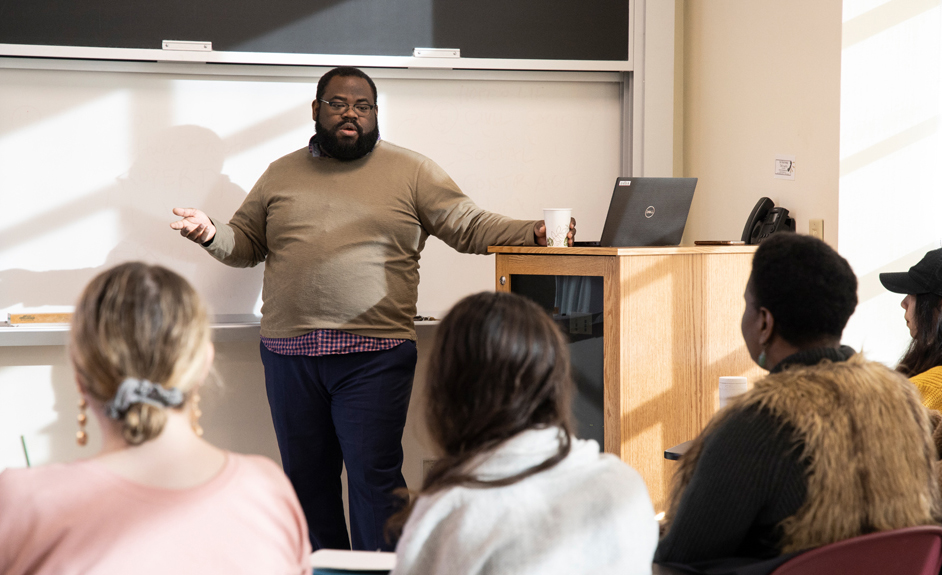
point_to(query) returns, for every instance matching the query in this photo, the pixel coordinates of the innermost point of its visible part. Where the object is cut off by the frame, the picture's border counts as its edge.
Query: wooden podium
(671, 329)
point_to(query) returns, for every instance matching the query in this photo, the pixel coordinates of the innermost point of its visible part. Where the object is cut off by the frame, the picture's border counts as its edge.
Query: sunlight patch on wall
(75, 244)
(78, 154)
(890, 186)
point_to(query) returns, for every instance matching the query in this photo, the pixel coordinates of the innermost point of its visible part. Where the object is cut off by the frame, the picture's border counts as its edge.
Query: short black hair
(810, 290)
(343, 71)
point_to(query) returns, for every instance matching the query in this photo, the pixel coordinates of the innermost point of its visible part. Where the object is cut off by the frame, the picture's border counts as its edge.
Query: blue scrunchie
(133, 391)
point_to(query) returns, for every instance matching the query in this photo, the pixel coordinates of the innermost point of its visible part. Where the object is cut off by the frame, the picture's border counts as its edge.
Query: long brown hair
(500, 366)
(141, 321)
(925, 350)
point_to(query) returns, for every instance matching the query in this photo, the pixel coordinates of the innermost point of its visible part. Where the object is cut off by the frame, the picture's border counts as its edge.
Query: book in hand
(342, 561)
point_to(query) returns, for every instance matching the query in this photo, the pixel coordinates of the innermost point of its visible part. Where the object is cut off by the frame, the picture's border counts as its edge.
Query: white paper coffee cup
(557, 226)
(730, 387)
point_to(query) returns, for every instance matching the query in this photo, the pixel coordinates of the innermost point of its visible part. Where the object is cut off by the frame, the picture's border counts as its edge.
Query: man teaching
(340, 225)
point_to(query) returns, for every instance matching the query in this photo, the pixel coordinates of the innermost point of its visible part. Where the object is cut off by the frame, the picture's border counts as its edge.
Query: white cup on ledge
(557, 226)
(730, 387)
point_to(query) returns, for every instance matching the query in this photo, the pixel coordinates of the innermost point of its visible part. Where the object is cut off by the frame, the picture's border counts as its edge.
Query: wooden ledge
(639, 251)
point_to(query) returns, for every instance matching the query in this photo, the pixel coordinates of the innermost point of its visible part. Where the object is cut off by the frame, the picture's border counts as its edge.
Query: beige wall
(852, 89)
(760, 79)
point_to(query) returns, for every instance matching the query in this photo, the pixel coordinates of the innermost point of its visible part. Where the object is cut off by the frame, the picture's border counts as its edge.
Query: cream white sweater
(589, 514)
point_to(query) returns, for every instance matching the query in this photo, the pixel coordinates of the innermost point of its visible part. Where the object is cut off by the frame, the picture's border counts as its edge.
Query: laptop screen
(648, 212)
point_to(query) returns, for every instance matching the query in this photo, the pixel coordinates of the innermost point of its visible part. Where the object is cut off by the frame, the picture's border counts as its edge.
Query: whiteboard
(93, 159)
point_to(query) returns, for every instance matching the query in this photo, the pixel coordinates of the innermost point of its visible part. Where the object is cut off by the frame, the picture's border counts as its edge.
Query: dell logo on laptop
(648, 213)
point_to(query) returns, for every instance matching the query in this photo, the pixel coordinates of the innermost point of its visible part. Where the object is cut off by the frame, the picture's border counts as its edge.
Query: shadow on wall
(235, 406)
(417, 446)
(181, 166)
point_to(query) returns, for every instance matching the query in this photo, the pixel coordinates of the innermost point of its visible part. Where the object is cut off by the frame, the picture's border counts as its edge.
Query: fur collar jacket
(867, 442)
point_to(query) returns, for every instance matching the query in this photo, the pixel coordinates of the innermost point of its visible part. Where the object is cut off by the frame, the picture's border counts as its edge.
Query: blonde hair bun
(142, 322)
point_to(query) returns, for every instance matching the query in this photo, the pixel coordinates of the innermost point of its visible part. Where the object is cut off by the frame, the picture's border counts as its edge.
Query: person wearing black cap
(922, 362)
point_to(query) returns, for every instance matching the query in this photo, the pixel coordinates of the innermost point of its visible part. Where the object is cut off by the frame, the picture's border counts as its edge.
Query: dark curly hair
(343, 71)
(808, 287)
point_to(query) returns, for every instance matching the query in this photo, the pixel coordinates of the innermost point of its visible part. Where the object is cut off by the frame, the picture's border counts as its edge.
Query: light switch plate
(816, 228)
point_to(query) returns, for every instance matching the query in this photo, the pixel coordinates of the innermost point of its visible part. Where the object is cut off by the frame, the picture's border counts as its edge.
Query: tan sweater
(341, 240)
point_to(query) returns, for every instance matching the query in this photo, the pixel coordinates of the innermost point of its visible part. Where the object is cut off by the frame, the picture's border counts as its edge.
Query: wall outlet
(816, 228)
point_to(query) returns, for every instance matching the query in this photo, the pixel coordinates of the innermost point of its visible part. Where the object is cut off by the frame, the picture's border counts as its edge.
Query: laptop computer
(646, 212)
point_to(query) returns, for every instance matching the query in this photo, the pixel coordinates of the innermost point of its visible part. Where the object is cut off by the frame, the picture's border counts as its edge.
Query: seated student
(922, 362)
(514, 491)
(157, 498)
(826, 447)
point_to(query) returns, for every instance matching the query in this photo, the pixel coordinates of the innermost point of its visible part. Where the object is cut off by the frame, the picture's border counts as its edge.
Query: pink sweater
(81, 518)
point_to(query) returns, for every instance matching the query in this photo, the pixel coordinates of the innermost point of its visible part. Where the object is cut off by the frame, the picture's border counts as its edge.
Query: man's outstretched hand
(197, 226)
(539, 232)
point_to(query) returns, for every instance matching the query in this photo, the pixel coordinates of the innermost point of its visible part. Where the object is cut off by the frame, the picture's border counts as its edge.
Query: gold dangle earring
(80, 436)
(195, 413)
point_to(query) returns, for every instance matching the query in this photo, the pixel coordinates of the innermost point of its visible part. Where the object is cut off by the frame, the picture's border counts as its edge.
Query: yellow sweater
(929, 384)
(341, 240)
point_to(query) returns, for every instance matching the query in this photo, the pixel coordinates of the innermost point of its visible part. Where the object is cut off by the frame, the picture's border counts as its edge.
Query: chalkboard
(92, 162)
(520, 29)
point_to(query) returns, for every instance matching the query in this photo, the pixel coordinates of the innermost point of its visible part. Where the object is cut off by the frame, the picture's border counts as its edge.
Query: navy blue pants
(336, 409)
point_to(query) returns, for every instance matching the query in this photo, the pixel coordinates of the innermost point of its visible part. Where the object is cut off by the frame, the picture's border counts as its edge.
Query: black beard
(332, 146)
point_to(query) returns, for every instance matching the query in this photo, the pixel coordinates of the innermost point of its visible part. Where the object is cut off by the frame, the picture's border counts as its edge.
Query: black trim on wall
(517, 29)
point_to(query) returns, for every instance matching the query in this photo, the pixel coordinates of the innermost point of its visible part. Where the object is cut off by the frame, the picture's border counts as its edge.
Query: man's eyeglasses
(341, 107)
